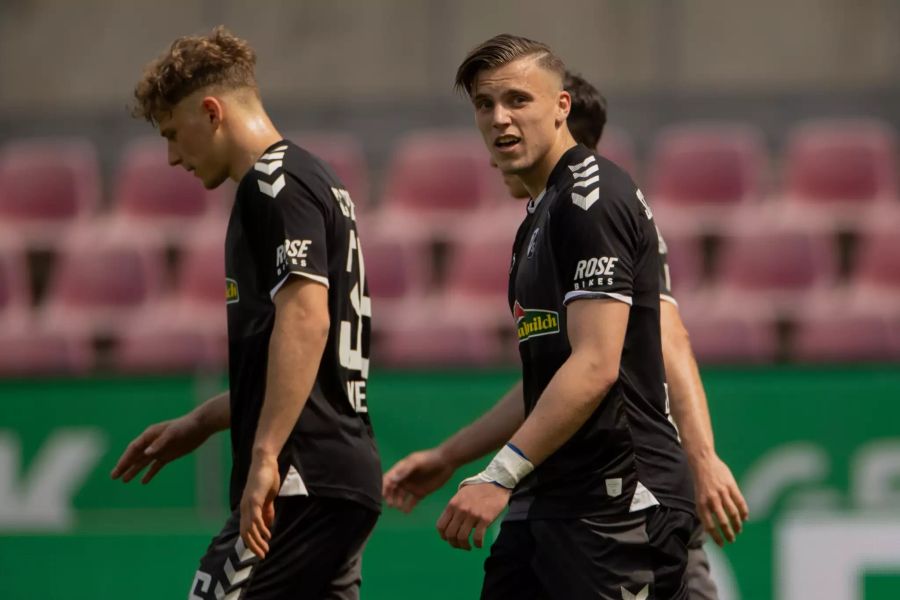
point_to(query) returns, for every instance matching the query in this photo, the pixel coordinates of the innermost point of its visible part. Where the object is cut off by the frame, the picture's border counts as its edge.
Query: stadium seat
(685, 259)
(874, 283)
(730, 338)
(45, 184)
(838, 172)
(842, 336)
(30, 352)
(100, 282)
(434, 179)
(158, 198)
(702, 173)
(841, 161)
(478, 279)
(345, 154)
(774, 271)
(15, 294)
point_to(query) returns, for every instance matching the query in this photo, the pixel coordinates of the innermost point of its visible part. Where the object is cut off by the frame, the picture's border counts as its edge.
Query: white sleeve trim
(588, 294)
(668, 299)
(316, 278)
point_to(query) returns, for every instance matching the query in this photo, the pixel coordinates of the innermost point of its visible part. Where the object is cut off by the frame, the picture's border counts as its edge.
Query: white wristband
(507, 469)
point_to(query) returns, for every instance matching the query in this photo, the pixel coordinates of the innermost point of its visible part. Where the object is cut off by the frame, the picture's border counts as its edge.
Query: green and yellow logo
(231, 291)
(532, 322)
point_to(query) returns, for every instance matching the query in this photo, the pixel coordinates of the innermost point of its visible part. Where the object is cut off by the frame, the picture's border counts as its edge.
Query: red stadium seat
(45, 184)
(101, 281)
(344, 153)
(774, 271)
(685, 259)
(15, 294)
(841, 336)
(839, 173)
(27, 352)
(734, 338)
(435, 179)
(159, 198)
(841, 161)
(874, 284)
(701, 173)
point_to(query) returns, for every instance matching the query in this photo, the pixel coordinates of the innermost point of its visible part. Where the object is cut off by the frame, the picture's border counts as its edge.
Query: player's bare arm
(596, 330)
(161, 443)
(421, 473)
(295, 351)
(720, 503)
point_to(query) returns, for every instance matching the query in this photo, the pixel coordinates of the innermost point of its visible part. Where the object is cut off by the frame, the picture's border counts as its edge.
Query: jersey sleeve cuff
(283, 280)
(669, 299)
(579, 294)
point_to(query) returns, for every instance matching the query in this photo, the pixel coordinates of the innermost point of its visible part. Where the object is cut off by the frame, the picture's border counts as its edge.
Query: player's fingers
(158, 444)
(444, 520)
(134, 469)
(463, 533)
(734, 516)
(260, 524)
(452, 530)
(409, 502)
(133, 451)
(254, 542)
(739, 501)
(480, 530)
(269, 514)
(152, 471)
(709, 524)
(724, 523)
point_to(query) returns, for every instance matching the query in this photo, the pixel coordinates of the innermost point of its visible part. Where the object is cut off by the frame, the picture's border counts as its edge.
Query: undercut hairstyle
(587, 115)
(501, 50)
(219, 59)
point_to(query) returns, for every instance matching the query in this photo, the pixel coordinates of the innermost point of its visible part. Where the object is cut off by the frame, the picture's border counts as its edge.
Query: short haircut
(501, 50)
(587, 116)
(218, 59)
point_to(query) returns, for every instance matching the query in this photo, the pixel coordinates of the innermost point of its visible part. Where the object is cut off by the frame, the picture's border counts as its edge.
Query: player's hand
(414, 477)
(258, 504)
(473, 507)
(158, 445)
(720, 504)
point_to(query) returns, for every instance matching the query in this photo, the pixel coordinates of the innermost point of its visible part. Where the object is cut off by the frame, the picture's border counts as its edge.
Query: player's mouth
(507, 143)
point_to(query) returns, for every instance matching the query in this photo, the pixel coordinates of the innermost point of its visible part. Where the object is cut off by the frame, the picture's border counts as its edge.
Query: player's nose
(500, 116)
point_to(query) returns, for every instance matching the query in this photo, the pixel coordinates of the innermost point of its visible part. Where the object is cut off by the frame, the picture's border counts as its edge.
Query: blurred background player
(590, 512)
(719, 499)
(305, 485)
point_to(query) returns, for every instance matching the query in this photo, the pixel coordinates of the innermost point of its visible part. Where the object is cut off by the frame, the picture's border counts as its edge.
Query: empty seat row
(697, 173)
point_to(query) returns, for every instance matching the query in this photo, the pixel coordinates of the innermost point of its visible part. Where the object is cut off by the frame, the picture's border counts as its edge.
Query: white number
(351, 355)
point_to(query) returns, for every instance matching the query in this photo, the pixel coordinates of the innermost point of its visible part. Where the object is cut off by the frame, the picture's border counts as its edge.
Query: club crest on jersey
(534, 322)
(231, 291)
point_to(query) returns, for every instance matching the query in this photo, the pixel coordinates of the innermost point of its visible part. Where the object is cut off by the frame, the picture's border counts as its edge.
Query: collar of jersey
(533, 202)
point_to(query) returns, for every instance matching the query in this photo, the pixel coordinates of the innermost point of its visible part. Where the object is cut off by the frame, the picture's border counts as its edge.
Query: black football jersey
(293, 218)
(590, 235)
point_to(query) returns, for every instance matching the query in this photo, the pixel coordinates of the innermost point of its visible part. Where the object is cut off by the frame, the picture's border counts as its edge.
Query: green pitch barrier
(817, 452)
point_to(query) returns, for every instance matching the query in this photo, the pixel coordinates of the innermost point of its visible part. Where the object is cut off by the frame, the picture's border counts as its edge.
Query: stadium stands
(759, 276)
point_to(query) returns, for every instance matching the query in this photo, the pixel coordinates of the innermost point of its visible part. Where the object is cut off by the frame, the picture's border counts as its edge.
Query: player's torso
(263, 247)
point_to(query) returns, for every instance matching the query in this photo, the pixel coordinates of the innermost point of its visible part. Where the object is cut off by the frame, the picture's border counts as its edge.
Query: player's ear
(563, 106)
(213, 111)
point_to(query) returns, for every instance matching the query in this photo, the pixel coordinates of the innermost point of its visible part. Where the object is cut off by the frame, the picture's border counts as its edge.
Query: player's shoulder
(593, 184)
(287, 171)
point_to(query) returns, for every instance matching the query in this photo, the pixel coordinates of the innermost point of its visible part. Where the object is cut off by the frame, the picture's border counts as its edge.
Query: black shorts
(315, 553)
(641, 556)
(698, 577)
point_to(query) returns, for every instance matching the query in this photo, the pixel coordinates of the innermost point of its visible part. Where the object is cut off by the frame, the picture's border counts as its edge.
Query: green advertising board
(816, 451)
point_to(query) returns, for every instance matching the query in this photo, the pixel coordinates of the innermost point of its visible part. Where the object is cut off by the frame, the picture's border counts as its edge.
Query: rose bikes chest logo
(533, 322)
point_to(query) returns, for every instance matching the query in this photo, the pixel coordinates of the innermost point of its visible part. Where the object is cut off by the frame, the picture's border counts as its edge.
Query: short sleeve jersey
(293, 218)
(589, 236)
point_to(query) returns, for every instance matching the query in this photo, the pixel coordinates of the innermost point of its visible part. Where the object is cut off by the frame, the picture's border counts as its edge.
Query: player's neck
(254, 133)
(535, 180)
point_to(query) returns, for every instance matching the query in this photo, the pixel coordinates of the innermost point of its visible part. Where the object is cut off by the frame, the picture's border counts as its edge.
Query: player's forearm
(295, 351)
(570, 398)
(214, 415)
(687, 398)
(489, 432)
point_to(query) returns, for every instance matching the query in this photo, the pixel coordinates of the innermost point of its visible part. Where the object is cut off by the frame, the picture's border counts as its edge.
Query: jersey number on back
(350, 347)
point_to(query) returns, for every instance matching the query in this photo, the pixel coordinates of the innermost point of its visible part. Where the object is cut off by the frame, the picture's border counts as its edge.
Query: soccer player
(716, 491)
(598, 488)
(305, 484)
